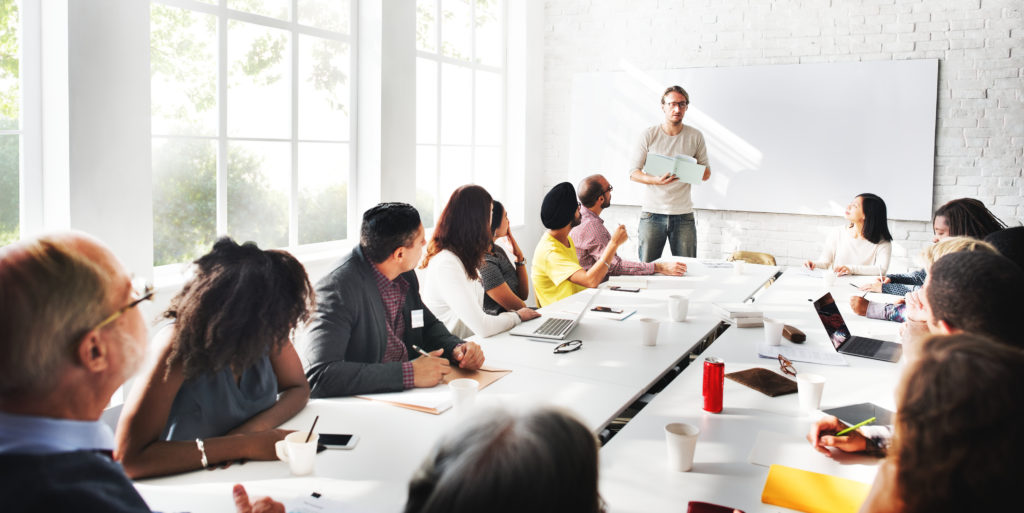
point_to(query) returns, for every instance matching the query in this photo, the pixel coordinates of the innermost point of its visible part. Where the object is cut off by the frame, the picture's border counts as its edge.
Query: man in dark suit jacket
(370, 315)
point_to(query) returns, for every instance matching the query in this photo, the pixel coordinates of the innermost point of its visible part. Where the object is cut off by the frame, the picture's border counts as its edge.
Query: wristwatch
(521, 262)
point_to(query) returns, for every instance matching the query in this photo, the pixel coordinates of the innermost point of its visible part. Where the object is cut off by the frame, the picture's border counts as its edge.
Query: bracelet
(202, 451)
(605, 264)
(521, 262)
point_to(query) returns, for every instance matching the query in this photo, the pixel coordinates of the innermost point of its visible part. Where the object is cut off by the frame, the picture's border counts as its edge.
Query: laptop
(847, 343)
(554, 327)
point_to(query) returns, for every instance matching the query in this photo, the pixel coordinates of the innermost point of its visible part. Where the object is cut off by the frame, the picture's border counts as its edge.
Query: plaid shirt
(591, 237)
(394, 292)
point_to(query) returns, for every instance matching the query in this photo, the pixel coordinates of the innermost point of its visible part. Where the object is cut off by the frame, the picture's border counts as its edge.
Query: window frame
(171, 273)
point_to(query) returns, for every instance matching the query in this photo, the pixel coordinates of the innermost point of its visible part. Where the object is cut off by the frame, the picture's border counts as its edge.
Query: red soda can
(714, 380)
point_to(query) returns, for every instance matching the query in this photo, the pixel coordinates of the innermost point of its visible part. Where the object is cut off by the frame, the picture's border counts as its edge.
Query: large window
(11, 136)
(252, 122)
(460, 99)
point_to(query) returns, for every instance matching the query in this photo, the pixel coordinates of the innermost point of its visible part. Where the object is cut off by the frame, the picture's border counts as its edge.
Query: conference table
(597, 383)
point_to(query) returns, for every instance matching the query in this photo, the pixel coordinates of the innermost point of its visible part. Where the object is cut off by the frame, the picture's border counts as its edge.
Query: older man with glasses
(667, 209)
(70, 335)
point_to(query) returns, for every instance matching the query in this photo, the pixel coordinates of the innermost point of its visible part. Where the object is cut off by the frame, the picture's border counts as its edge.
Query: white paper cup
(678, 306)
(681, 441)
(737, 267)
(463, 393)
(829, 277)
(772, 332)
(809, 388)
(299, 454)
(649, 331)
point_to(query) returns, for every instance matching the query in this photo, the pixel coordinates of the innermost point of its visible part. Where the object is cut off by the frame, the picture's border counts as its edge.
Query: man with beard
(591, 237)
(556, 272)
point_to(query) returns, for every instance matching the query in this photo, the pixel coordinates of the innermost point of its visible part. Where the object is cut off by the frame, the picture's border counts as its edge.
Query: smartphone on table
(338, 441)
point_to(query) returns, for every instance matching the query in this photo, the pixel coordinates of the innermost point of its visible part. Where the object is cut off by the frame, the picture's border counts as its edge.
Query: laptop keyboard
(553, 326)
(861, 345)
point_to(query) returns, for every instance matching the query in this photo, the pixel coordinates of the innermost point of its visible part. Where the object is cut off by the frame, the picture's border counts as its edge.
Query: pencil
(855, 426)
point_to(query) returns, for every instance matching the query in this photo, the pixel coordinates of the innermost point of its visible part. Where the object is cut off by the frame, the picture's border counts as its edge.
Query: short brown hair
(956, 446)
(51, 296)
(675, 89)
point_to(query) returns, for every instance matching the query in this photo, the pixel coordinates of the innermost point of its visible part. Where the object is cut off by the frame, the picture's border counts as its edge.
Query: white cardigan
(458, 301)
(861, 256)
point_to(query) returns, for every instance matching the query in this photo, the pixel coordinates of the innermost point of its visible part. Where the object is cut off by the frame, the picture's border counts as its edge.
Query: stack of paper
(741, 315)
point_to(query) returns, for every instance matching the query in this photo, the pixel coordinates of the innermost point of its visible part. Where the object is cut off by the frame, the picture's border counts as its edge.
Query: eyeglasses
(569, 346)
(786, 366)
(609, 189)
(142, 290)
(681, 105)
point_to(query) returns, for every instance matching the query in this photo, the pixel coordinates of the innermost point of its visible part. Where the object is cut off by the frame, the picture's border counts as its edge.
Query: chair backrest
(753, 257)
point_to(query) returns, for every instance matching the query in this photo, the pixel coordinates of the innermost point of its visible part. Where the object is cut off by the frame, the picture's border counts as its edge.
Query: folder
(812, 492)
(684, 167)
(437, 400)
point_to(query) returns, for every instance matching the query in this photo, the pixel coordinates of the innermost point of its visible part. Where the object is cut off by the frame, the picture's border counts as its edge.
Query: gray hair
(542, 461)
(50, 296)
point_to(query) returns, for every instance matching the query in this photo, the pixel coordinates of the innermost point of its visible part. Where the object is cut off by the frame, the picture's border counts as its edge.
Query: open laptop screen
(833, 321)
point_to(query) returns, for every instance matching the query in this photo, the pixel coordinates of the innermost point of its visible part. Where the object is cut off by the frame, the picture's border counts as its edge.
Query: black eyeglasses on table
(568, 346)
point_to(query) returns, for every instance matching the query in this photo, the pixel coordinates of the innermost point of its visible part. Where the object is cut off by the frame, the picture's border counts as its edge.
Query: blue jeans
(680, 229)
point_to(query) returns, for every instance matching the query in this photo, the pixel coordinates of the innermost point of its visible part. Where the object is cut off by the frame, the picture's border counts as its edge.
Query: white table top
(596, 382)
(634, 471)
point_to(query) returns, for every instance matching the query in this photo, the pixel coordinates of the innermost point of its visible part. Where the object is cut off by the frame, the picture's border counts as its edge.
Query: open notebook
(438, 399)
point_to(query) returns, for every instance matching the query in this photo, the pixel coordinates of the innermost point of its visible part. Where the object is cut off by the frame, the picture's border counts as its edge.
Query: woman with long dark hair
(227, 373)
(863, 245)
(505, 283)
(451, 281)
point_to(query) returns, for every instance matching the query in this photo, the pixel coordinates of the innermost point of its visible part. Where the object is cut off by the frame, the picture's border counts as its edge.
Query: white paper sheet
(793, 450)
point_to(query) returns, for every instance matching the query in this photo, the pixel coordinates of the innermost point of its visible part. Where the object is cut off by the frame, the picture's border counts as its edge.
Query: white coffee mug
(772, 332)
(829, 276)
(678, 306)
(300, 454)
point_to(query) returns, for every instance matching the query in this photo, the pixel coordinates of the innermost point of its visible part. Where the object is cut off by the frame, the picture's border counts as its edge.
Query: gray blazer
(346, 340)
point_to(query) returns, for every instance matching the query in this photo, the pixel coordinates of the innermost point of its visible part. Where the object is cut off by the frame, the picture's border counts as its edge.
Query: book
(738, 310)
(684, 167)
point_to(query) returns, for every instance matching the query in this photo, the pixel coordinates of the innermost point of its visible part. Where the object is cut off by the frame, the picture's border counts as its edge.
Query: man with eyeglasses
(667, 209)
(70, 335)
(591, 237)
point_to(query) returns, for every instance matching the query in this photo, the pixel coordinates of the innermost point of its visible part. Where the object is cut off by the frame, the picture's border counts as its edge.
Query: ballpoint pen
(855, 426)
(420, 350)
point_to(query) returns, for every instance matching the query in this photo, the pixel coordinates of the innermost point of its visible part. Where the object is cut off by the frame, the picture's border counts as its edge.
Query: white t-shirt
(860, 255)
(673, 198)
(458, 301)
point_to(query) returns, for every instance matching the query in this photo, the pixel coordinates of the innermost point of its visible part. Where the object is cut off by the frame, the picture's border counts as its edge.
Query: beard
(576, 220)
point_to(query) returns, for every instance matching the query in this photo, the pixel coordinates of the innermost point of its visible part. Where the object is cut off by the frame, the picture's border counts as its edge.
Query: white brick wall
(980, 129)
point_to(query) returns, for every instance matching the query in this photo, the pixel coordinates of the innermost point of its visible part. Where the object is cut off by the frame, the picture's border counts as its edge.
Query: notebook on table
(847, 343)
(554, 327)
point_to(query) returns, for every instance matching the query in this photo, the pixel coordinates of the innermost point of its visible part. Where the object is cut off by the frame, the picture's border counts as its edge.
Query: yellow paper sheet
(812, 492)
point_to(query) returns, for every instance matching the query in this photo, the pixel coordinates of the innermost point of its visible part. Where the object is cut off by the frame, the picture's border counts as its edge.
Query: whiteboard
(799, 139)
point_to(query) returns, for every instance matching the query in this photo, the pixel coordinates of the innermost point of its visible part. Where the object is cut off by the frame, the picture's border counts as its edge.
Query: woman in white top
(861, 247)
(450, 282)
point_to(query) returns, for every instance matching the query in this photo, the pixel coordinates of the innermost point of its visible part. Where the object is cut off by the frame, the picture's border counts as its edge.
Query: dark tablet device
(856, 413)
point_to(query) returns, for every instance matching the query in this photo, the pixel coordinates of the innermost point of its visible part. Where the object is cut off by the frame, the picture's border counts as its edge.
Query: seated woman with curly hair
(956, 442)
(227, 373)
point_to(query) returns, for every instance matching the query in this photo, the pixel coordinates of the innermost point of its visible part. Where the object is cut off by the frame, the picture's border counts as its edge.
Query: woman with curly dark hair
(956, 445)
(227, 373)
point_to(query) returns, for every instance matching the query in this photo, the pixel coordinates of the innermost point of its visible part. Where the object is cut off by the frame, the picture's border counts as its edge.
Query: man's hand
(470, 356)
(915, 308)
(264, 505)
(527, 313)
(822, 437)
(707, 174)
(859, 305)
(670, 268)
(428, 371)
(665, 179)
(619, 236)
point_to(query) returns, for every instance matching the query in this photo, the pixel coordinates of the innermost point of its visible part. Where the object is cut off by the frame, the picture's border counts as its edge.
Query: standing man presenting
(667, 206)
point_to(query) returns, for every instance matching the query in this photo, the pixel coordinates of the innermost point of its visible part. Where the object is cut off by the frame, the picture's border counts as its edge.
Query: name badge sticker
(417, 318)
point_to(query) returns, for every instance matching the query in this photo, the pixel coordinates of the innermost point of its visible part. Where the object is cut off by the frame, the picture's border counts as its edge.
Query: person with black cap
(556, 272)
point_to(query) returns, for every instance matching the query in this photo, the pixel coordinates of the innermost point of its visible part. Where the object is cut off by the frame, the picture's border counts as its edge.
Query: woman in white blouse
(451, 284)
(863, 245)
